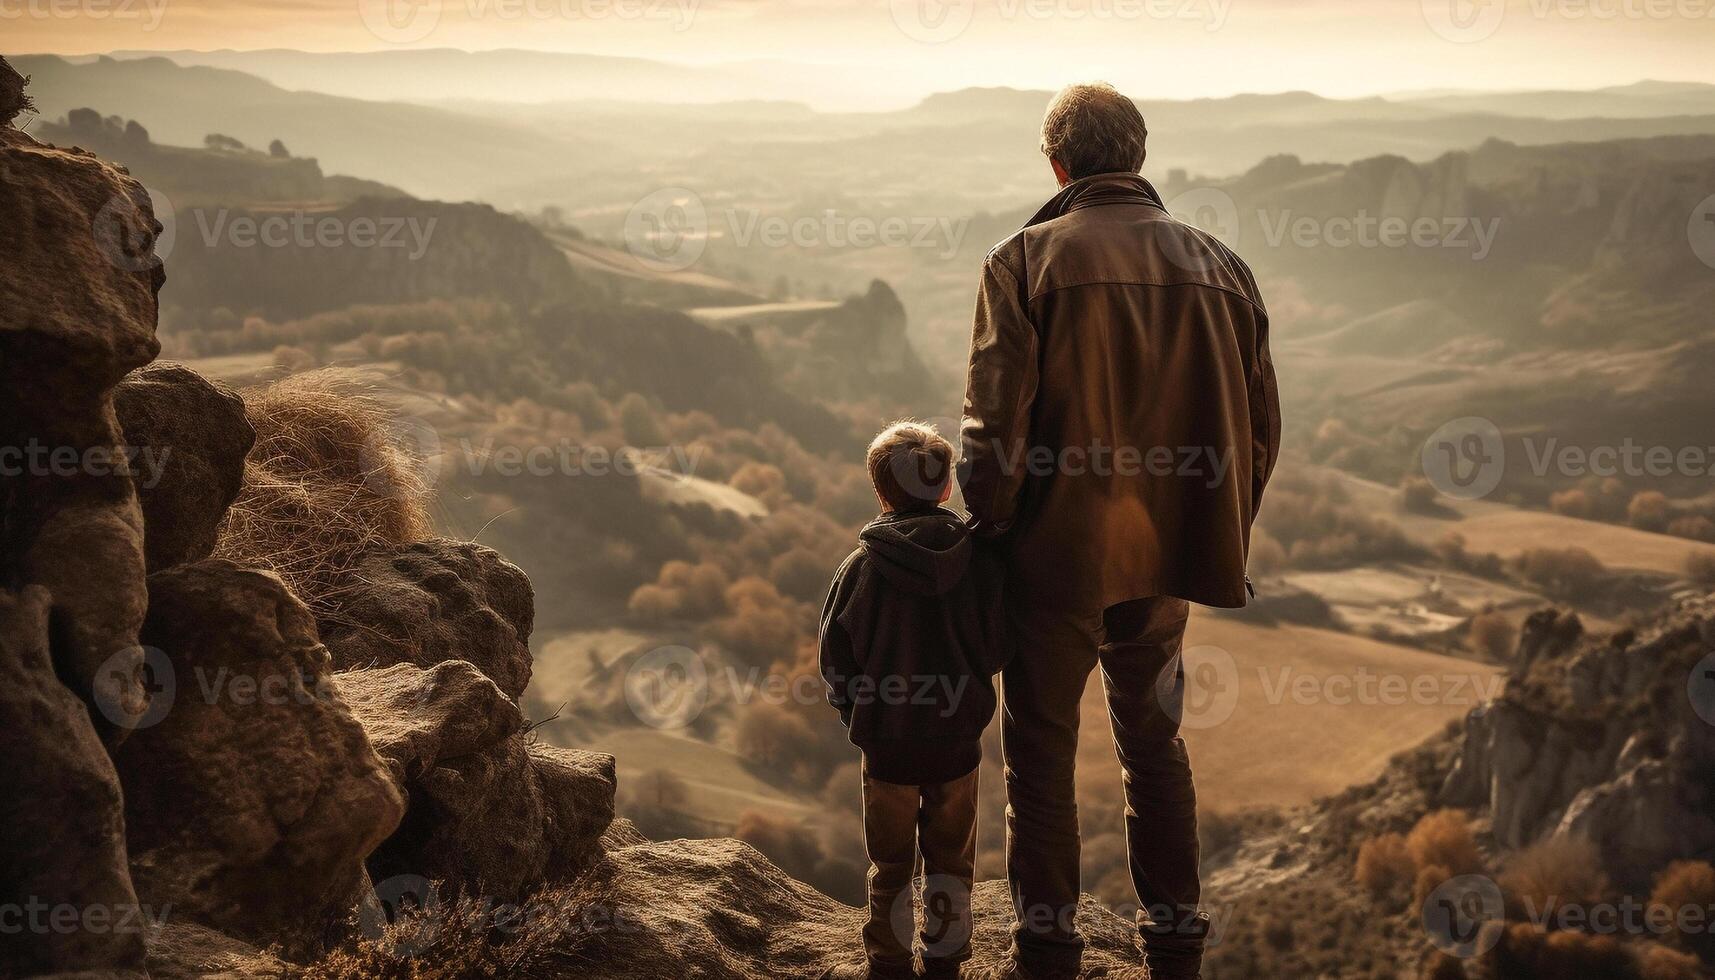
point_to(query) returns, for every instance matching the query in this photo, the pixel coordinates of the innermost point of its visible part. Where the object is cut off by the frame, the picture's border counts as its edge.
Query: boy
(910, 642)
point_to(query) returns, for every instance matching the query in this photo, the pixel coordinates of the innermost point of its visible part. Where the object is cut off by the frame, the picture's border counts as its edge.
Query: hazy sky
(1151, 48)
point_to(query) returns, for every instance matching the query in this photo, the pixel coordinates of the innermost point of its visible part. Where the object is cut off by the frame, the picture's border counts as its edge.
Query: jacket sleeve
(839, 663)
(999, 392)
(1265, 416)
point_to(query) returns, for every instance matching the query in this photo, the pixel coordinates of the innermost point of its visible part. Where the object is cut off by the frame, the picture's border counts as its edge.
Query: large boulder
(434, 601)
(189, 437)
(416, 717)
(504, 822)
(252, 795)
(64, 843)
(492, 812)
(77, 312)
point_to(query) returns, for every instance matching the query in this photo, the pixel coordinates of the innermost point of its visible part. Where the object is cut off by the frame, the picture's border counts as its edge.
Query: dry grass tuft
(325, 481)
(546, 937)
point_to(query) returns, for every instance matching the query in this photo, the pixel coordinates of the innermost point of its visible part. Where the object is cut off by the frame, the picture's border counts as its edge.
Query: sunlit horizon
(877, 55)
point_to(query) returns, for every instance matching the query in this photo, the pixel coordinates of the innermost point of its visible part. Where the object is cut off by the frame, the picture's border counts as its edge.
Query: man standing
(1121, 421)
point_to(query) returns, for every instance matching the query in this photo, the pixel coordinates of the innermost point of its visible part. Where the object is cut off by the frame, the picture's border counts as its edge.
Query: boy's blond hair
(910, 464)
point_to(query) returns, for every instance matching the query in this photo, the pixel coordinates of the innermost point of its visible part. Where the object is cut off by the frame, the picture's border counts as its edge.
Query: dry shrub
(1429, 878)
(325, 481)
(1685, 886)
(1696, 526)
(1440, 966)
(13, 101)
(1526, 953)
(475, 938)
(1444, 838)
(763, 627)
(1418, 496)
(1570, 574)
(1700, 566)
(801, 574)
(682, 590)
(1572, 503)
(1649, 510)
(1661, 963)
(1385, 866)
(1554, 873)
(772, 736)
(762, 481)
(1492, 635)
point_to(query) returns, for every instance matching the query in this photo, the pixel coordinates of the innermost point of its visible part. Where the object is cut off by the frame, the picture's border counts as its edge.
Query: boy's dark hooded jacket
(912, 635)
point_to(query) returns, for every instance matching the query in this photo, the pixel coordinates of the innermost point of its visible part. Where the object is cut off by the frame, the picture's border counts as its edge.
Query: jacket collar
(1097, 189)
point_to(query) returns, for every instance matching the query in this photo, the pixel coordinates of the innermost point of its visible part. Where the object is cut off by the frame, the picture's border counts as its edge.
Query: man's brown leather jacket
(1121, 413)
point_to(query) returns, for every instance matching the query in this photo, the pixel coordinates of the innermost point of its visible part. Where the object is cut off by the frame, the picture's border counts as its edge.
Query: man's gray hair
(1093, 129)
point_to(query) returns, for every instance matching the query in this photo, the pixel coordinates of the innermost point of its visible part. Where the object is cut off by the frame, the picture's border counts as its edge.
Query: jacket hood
(924, 552)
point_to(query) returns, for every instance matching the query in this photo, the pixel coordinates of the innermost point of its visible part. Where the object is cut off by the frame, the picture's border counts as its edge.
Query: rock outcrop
(64, 844)
(252, 795)
(1600, 739)
(434, 601)
(77, 312)
(189, 437)
(456, 746)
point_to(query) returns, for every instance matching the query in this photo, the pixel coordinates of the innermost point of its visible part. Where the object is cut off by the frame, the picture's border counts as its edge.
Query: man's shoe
(933, 969)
